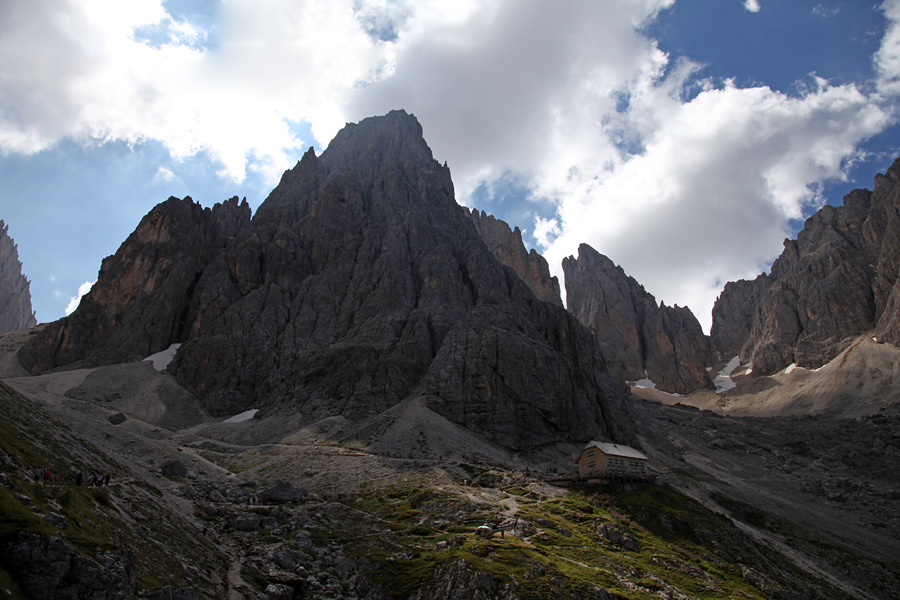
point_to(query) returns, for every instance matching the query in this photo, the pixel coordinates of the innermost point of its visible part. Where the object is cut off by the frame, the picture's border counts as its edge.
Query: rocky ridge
(15, 297)
(358, 283)
(506, 244)
(836, 281)
(655, 341)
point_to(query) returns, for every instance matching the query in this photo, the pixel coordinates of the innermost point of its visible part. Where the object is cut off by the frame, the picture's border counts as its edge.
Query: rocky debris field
(189, 514)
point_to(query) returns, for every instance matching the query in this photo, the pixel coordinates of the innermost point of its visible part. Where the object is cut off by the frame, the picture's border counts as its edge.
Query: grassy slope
(130, 513)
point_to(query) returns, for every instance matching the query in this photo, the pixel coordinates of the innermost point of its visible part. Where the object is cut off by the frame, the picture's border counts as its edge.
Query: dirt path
(234, 582)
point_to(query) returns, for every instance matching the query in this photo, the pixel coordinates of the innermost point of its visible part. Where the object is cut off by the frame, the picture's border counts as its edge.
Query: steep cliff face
(360, 282)
(15, 295)
(733, 313)
(833, 283)
(663, 343)
(145, 298)
(507, 246)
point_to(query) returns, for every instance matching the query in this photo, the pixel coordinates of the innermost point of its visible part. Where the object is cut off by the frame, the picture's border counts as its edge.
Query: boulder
(173, 468)
(279, 591)
(282, 492)
(49, 569)
(56, 519)
(170, 593)
(246, 522)
(117, 419)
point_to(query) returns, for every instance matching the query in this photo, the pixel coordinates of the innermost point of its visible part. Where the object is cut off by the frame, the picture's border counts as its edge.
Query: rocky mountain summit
(506, 244)
(358, 284)
(836, 281)
(15, 296)
(663, 343)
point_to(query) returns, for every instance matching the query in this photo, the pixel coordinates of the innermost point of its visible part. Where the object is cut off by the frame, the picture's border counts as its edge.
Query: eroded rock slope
(836, 281)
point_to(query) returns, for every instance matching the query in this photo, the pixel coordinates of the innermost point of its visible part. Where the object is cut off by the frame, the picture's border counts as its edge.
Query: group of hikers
(41, 474)
(92, 480)
(95, 479)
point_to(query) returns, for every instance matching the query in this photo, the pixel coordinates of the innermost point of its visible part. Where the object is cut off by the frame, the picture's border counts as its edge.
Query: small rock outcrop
(836, 281)
(506, 244)
(283, 491)
(665, 344)
(48, 569)
(15, 293)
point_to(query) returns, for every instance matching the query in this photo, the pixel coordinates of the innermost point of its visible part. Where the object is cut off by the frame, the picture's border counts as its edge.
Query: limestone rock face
(833, 283)
(358, 283)
(507, 246)
(145, 297)
(663, 343)
(15, 295)
(734, 311)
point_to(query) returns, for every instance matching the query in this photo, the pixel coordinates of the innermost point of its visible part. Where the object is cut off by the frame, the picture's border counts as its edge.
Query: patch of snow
(723, 380)
(244, 416)
(162, 359)
(644, 383)
(788, 369)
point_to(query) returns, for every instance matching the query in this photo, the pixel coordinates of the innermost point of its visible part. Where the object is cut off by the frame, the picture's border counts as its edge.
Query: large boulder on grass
(282, 492)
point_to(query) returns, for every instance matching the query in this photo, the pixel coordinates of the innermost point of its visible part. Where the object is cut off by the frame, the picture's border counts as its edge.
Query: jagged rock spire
(15, 294)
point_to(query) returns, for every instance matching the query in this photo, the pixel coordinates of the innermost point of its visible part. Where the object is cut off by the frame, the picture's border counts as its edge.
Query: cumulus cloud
(83, 289)
(711, 196)
(685, 192)
(887, 59)
(752, 5)
(163, 174)
(89, 70)
(684, 181)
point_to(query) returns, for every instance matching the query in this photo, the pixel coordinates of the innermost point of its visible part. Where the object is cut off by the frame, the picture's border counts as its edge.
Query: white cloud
(163, 174)
(821, 10)
(710, 197)
(686, 191)
(77, 69)
(83, 289)
(887, 59)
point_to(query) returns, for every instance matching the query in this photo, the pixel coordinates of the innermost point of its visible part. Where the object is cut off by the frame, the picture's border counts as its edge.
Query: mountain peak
(397, 135)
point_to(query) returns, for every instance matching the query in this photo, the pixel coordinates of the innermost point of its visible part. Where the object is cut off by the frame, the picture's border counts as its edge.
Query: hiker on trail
(79, 478)
(106, 480)
(46, 475)
(37, 474)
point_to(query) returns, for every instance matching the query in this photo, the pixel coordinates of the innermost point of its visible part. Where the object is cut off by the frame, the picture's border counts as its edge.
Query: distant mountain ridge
(835, 282)
(361, 282)
(15, 294)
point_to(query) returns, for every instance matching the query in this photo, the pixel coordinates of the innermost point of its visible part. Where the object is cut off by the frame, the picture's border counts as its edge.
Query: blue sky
(685, 139)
